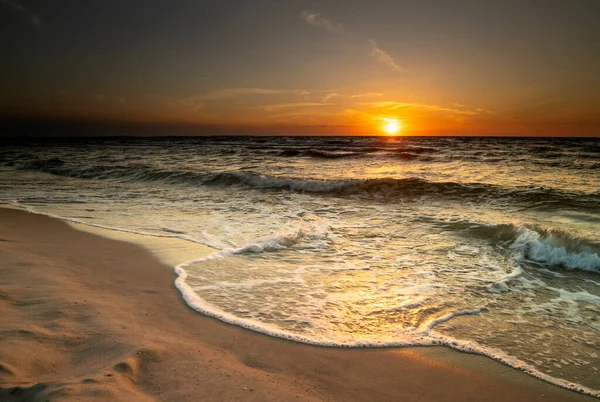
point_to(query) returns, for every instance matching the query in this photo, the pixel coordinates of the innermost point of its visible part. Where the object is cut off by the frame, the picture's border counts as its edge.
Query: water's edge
(200, 305)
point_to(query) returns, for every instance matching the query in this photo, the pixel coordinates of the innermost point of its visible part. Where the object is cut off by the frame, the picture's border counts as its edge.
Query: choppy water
(482, 244)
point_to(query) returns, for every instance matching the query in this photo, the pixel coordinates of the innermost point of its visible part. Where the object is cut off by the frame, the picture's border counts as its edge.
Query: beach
(300, 200)
(89, 318)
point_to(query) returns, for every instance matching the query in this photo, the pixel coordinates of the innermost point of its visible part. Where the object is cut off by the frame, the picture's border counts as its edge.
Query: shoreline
(88, 317)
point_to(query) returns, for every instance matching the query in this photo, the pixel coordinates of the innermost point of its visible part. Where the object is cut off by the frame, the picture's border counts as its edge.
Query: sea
(484, 245)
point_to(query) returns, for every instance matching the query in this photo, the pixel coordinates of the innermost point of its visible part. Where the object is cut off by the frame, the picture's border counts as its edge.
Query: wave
(316, 153)
(575, 156)
(39, 164)
(391, 188)
(404, 152)
(528, 243)
(385, 189)
(382, 186)
(408, 154)
(414, 150)
(555, 248)
(124, 173)
(549, 247)
(426, 154)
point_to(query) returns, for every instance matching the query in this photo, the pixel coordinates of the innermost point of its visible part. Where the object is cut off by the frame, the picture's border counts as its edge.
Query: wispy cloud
(303, 115)
(365, 95)
(321, 21)
(330, 96)
(390, 105)
(383, 58)
(235, 92)
(35, 20)
(344, 96)
(271, 108)
(198, 101)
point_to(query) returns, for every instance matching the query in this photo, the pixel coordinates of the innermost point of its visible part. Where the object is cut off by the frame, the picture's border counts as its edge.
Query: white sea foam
(403, 338)
(432, 323)
(315, 186)
(582, 295)
(502, 285)
(550, 250)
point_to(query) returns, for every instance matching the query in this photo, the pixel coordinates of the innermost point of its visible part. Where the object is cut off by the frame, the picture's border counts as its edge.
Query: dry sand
(88, 318)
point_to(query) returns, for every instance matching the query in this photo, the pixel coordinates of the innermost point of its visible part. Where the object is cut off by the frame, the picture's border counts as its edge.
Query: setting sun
(392, 126)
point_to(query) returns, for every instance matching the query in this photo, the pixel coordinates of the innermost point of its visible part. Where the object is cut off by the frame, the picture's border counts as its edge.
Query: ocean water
(486, 245)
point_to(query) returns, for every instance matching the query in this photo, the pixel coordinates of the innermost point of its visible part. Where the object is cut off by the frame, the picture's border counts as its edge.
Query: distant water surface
(488, 245)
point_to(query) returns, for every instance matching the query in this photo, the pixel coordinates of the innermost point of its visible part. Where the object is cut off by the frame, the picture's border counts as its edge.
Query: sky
(300, 67)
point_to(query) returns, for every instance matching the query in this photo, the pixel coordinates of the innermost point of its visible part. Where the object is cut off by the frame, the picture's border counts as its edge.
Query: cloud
(200, 101)
(390, 105)
(35, 20)
(330, 96)
(320, 21)
(384, 58)
(302, 115)
(235, 92)
(365, 95)
(270, 108)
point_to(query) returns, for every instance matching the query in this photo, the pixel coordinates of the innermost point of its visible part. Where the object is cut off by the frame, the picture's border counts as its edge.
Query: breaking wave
(549, 247)
(556, 248)
(380, 188)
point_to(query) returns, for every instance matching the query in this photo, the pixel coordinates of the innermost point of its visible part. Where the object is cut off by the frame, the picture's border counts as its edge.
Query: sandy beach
(87, 318)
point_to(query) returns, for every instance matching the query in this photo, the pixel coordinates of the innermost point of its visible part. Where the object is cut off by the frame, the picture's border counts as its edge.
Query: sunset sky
(338, 67)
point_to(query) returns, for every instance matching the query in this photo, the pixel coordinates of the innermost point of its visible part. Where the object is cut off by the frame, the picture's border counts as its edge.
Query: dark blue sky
(339, 67)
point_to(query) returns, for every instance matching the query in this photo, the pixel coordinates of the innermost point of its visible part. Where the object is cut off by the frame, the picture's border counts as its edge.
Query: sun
(391, 126)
